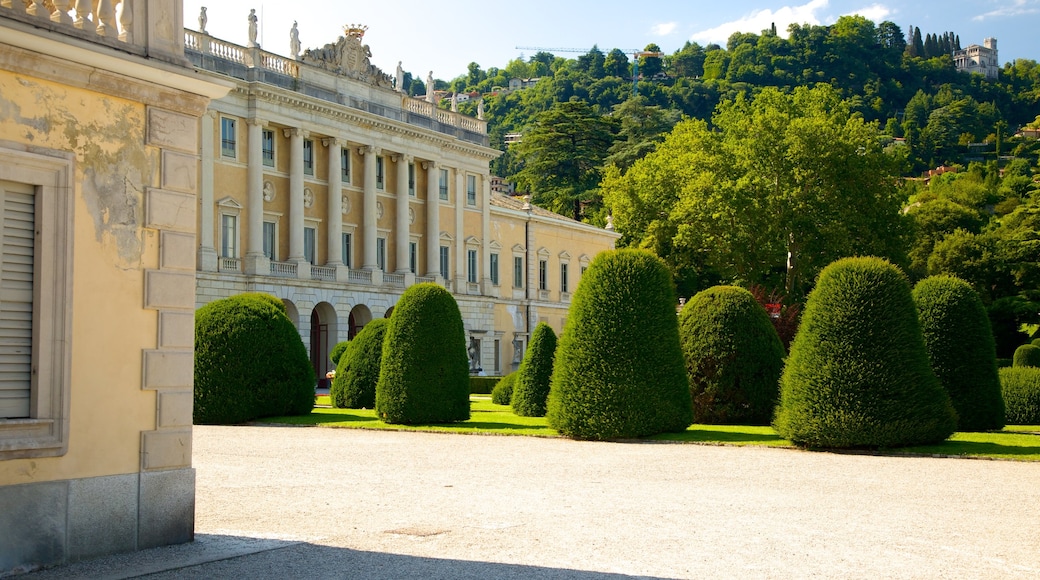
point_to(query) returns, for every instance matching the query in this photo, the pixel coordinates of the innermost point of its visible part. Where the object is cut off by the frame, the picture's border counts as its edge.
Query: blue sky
(445, 37)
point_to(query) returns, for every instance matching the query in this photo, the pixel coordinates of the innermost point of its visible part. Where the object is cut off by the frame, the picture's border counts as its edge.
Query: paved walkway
(292, 502)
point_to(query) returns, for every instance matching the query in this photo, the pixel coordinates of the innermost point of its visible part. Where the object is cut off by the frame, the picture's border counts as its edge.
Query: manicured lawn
(1018, 442)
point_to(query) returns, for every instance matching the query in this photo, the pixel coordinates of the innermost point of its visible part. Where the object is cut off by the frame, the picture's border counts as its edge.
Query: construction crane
(636, 53)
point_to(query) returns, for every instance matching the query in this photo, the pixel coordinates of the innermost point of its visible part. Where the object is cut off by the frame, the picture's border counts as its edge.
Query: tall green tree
(562, 153)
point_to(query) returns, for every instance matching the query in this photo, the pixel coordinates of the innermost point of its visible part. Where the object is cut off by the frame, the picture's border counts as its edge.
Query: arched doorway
(292, 313)
(360, 315)
(322, 339)
(389, 311)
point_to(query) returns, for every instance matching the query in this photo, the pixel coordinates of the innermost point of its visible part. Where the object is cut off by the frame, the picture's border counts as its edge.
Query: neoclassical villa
(324, 184)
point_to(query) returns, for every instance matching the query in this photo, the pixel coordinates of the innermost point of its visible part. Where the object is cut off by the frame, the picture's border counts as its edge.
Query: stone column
(207, 257)
(255, 260)
(335, 209)
(402, 228)
(433, 222)
(461, 261)
(368, 224)
(485, 236)
(296, 136)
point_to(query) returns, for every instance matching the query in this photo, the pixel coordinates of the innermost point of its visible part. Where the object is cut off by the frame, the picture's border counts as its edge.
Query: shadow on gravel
(218, 556)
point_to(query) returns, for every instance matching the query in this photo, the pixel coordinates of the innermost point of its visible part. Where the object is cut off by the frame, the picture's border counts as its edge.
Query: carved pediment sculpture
(349, 57)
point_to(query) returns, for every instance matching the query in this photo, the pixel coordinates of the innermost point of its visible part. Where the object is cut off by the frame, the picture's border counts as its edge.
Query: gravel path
(318, 502)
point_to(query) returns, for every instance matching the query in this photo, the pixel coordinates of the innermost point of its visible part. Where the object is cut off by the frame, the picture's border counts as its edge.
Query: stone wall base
(57, 522)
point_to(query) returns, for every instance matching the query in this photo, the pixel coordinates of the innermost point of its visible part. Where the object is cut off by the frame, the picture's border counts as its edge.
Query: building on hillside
(979, 59)
(98, 163)
(321, 185)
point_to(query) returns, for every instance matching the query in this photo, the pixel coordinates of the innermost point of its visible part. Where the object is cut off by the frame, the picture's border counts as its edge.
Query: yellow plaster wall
(110, 326)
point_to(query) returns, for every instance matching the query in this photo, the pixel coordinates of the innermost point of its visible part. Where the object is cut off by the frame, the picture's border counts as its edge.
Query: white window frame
(471, 190)
(228, 235)
(518, 272)
(413, 256)
(273, 219)
(472, 265)
(442, 185)
(45, 432)
(493, 265)
(411, 179)
(346, 241)
(228, 138)
(380, 172)
(445, 259)
(308, 157)
(268, 162)
(313, 231)
(381, 253)
(344, 165)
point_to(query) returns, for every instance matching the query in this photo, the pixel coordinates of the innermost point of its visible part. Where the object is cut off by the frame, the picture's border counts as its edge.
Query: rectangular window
(268, 147)
(411, 179)
(471, 266)
(444, 184)
(346, 250)
(227, 137)
(16, 316)
(308, 157)
(344, 165)
(445, 262)
(413, 257)
(310, 236)
(494, 269)
(381, 253)
(228, 236)
(379, 172)
(498, 356)
(471, 189)
(271, 241)
(543, 275)
(563, 278)
(583, 268)
(518, 272)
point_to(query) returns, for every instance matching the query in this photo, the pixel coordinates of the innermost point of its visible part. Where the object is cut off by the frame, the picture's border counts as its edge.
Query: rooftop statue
(349, 57)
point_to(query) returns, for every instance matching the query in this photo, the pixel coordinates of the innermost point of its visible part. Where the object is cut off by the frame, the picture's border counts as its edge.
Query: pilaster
(207, 252)
(255, 261)
(402, 226)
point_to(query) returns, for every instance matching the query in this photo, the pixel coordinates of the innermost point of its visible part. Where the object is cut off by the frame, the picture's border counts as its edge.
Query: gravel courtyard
(283, 502)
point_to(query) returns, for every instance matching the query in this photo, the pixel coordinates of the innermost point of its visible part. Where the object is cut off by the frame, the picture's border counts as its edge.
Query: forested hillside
(761, 161)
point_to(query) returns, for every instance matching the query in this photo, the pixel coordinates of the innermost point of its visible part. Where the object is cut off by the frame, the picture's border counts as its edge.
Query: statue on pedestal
(400, 79)
(294, 42)
(252, 28)
(480, 109)
(429, 87)
(203, 19)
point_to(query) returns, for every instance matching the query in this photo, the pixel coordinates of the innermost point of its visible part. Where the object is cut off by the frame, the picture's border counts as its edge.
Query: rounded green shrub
(858, 374)
(619, 368)
(358, 370)
(961, 350)
(531, 389)
(337, 352)
(1021, 389)
(424, 375)
(502, 394)
(249, 362)
(733, 357)
(1027, 355)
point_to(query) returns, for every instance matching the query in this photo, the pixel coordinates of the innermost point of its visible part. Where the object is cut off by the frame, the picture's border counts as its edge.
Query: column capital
(295, 132)
(211, 114)
(429, 164)
(399, 157)
(366, 149)
(254, 121)
(332, 141)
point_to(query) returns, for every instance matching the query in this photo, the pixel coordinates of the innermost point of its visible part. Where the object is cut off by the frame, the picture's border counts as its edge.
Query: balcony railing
(283, 269)
(359, 277)
(323, 273)
(229, 265)
(394, 280)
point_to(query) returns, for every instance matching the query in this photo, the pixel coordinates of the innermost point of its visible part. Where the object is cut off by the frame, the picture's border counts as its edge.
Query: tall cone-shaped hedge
(249, 362)
(531, 389)
(358, 370)
(858, 374)
(424, 374)
(619, 369)
(961, 349)
(733, 357)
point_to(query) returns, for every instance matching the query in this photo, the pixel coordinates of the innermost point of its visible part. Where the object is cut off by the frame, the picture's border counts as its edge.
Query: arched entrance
(360, 315)
(323, 337)
(292, 313)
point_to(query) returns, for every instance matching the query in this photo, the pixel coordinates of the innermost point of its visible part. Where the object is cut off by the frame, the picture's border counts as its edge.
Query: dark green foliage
(358, 370)
(733, 357)
(961, 349)
(1021, 388)
(1027, 355)
(482, 385)
(337, 351)
(531, 389)
(858, 374)
(502, 394)
(249, 362)
(424, 376)
(619, 368)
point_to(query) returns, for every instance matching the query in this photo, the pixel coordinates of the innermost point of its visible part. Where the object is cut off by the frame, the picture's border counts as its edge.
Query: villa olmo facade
(321, 184)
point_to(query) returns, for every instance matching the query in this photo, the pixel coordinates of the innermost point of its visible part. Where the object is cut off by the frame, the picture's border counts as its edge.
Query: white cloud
(1015, 8)
(809, 13)
(664, 29)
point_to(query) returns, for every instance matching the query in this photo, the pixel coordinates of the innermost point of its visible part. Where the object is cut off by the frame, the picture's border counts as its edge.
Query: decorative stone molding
(345, 204)
(308, 197)
(411, 216)
(379, 210)
(269, 191)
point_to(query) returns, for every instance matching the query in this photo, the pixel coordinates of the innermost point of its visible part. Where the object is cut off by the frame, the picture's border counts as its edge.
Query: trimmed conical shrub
(249, 362)
(961, 349)
(1021, 389)
(858, 374)
(531, 389)
(619, 368)
(358, 370)
(733, 357)
(502, 394)
(1027, 355)
(424, 375)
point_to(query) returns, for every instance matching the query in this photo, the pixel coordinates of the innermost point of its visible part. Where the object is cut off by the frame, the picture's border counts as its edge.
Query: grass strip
(1015, 442)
